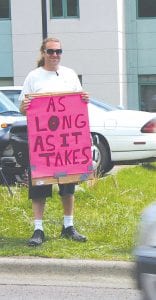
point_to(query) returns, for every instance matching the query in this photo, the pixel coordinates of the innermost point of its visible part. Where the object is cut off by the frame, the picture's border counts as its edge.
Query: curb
(63, 266)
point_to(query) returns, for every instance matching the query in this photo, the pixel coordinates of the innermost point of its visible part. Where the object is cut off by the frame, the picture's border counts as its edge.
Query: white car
(121, 136)
(9, 113)
(12, 92)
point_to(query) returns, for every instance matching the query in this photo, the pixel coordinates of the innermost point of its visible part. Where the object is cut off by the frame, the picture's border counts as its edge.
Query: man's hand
(24, 105)
(85, 96)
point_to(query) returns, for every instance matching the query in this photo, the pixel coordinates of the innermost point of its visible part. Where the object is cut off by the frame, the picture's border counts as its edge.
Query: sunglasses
(52, 51)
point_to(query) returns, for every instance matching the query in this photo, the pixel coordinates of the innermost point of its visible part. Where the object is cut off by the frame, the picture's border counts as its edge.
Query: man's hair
(40, 62)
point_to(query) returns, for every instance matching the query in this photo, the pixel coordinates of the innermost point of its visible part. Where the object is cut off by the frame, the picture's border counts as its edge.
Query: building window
(147, 92)
(4, 81)
(146, 8)
(64, 8)
(4, 9)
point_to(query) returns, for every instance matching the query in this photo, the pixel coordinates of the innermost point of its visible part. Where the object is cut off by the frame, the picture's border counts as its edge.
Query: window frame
(9, 17)
(137, 12)
(64, 6)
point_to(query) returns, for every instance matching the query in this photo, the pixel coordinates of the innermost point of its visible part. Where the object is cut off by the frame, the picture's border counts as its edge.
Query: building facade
(140, 18)
(110, 44)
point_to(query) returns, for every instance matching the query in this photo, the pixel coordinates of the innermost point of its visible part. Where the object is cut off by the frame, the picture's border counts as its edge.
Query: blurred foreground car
(119, 136)
(145, 253)
(9, 114)
(12, 92)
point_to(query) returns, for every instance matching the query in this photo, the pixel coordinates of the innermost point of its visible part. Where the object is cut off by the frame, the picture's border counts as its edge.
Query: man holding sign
(48, 77)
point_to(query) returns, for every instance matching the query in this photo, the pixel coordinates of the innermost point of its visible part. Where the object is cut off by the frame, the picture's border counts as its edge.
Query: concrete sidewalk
(50, 266)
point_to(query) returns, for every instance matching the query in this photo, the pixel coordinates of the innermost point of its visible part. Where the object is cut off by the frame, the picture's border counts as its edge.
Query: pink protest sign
(59, 137)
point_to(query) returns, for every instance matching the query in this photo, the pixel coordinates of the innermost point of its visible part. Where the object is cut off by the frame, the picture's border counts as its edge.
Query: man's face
(52, 59)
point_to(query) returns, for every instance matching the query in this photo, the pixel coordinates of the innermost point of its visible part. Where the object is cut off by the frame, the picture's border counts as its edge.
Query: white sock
(68, 221)
(38, 224)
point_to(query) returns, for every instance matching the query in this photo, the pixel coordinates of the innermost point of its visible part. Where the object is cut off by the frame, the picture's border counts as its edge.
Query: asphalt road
(78, 287)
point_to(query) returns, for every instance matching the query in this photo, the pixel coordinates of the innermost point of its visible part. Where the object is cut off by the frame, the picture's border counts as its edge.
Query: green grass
(107, 212)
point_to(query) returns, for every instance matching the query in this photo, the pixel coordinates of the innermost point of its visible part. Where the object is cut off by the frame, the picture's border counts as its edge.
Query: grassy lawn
(107, 212)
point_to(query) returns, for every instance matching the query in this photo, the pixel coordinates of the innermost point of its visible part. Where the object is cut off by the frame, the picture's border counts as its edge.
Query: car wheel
(101, 158)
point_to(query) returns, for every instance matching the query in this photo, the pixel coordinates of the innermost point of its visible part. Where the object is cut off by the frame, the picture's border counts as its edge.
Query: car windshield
(13, 95)
(105, 106)
(6, 105)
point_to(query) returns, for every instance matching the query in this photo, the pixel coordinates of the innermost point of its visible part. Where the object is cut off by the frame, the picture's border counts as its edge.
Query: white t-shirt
(42, 81)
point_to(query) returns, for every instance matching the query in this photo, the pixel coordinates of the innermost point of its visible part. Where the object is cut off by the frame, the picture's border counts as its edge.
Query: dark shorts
(44, 191)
